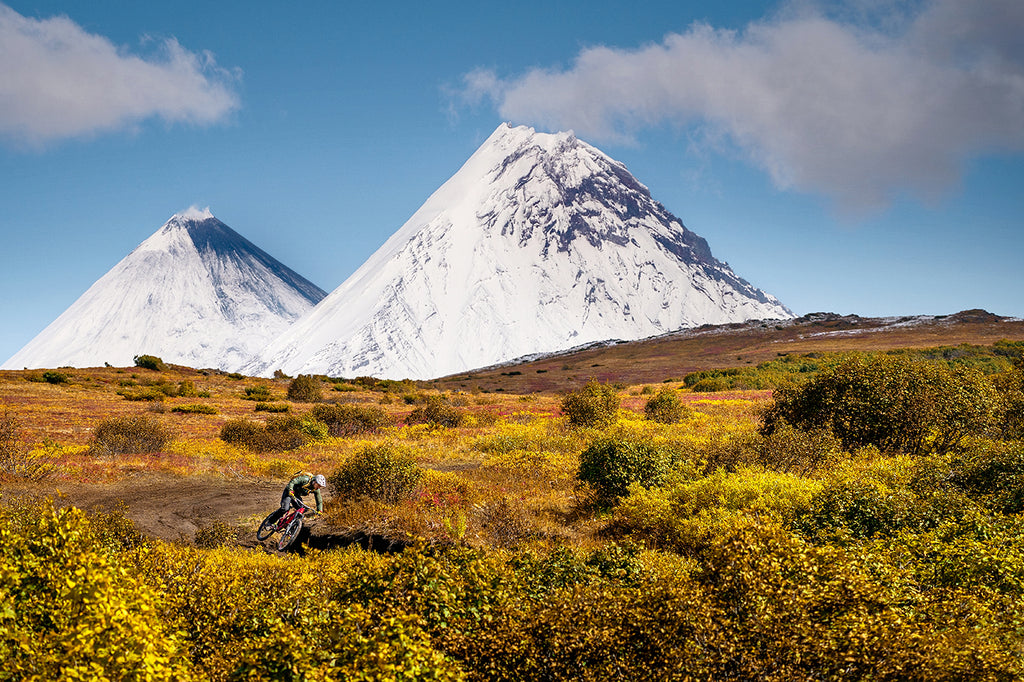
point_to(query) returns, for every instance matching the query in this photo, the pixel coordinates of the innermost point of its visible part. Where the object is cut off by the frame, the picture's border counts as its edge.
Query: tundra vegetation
(864, 521)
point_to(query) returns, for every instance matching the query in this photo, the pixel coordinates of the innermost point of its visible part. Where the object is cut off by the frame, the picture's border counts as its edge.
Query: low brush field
(816, 515)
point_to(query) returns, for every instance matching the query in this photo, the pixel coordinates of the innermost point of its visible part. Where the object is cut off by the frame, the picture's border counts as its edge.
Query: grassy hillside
(675, 355)
(862, 521)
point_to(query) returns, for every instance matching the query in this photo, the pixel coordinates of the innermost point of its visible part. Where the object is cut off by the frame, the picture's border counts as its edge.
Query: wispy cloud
(861, 108)
(59, 81)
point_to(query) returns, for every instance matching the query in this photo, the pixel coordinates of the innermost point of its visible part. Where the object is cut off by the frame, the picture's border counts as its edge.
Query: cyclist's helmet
(320, 480)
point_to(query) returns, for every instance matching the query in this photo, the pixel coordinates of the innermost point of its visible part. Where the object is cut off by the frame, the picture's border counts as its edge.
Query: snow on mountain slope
(195, 293)
(538, 243)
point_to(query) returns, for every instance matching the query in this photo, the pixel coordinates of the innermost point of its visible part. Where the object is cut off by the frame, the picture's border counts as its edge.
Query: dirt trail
(174, 507)
(162, 505)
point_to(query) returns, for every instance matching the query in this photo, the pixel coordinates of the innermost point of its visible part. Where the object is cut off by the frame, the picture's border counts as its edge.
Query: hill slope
(672, 356)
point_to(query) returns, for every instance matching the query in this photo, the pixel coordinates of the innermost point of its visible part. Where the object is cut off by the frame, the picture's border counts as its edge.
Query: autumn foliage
(866, 522)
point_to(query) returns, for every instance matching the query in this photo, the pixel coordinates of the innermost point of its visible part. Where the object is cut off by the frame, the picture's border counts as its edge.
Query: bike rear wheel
(289, 534)
(266, 528)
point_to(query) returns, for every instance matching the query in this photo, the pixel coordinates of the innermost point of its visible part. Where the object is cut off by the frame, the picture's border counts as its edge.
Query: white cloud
(59, 81)
(861, 112)
(193, 212)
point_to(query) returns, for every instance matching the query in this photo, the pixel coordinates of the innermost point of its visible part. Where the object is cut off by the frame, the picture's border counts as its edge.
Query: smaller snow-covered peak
(195, 293)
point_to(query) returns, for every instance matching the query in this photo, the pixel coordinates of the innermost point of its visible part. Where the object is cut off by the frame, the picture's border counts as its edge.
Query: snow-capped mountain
(195, 293)
(539, 242)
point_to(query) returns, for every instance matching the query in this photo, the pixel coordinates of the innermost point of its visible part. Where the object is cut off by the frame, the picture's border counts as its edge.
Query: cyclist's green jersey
(301, 486)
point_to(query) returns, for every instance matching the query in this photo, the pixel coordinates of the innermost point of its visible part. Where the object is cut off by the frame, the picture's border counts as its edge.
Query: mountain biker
(302, 484)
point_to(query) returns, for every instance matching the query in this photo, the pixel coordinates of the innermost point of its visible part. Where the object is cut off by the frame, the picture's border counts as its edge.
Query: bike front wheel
(266, 528)
(289, 534)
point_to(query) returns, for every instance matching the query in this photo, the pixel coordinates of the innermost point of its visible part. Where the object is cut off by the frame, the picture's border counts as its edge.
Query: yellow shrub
(768, 494)
(68, 611)
(648, 512)
(449, 488)
(687, 514)
(520, 460)
(534, 436)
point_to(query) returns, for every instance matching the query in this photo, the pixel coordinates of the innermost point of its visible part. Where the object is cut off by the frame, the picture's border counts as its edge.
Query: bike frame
(293, 516)
(290, 514)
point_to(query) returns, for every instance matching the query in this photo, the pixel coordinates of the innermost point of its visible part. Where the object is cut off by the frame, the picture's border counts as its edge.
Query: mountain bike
(290, 525)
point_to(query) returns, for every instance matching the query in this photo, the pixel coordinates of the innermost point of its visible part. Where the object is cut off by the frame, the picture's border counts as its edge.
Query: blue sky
(862, 157)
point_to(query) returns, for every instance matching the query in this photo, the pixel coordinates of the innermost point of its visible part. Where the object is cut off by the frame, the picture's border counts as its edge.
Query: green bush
(381, 472)
(1010, 386)
(863, 507)
(349, 420)
(727, 452)
(791, 450)
(894, 403)
(130, 435)
(285, 432)
(260, 392)
(144, 394)
(666, 408)
(436, 411)
(694, 378)
(594, 405)
(882, 496)
(187, 389)
(958, 555)
(271, 407)
(610, 465)
(304, 388)
(52, 377)
(196, 408)
(150, 362)
(785, 450)
(152, 391)
(288, 432)
(993, 473)
(345, 387)
(313, 429)
(246, 433)
(711, 385)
